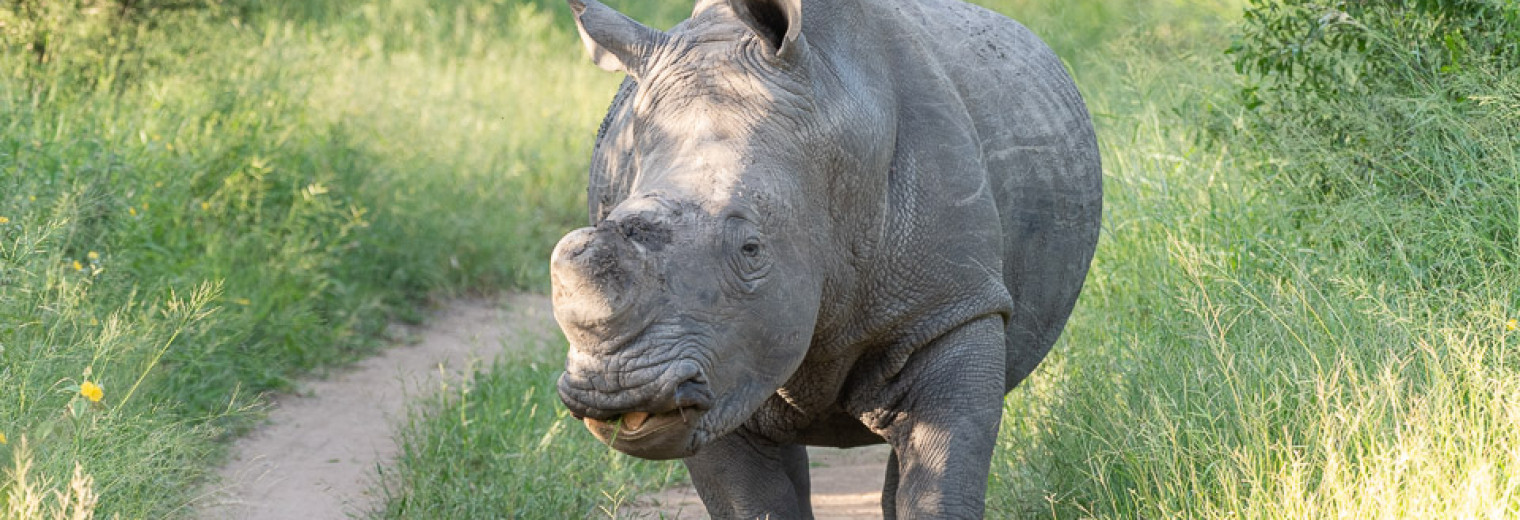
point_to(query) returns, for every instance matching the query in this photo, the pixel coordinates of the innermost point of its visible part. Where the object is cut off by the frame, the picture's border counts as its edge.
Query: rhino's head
(696, 295)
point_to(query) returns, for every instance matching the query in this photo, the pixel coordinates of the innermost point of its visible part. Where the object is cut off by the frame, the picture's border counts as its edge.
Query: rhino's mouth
(667, 435)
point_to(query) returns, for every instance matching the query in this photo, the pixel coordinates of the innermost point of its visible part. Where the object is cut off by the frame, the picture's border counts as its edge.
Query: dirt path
(316, 457)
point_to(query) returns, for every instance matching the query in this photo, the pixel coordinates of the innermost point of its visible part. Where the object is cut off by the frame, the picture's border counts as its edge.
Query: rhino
(823, 223)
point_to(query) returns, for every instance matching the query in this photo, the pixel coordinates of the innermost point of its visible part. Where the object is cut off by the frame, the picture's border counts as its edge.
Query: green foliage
(1355, 47)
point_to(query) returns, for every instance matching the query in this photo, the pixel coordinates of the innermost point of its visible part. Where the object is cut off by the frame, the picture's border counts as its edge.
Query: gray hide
(828, 223)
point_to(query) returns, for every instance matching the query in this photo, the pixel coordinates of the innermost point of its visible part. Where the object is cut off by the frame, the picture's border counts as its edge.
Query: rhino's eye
(748, 262)
(751, 248)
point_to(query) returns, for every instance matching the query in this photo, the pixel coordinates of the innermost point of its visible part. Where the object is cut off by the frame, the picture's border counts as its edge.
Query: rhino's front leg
(743, 476)
(942, 428)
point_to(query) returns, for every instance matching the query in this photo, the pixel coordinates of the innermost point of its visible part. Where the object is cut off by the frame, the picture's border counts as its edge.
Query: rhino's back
(1038, 155)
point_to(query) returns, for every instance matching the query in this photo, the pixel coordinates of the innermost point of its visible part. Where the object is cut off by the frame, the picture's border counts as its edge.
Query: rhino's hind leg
(742, 476)
(946, 409)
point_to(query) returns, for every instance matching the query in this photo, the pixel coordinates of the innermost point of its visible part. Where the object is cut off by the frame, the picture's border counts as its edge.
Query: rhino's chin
(670, 435)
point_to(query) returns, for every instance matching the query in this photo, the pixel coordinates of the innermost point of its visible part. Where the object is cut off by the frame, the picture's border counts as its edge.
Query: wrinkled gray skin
(829, 223)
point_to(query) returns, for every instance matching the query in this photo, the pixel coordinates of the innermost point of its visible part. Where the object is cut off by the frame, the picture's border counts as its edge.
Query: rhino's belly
(837, 430)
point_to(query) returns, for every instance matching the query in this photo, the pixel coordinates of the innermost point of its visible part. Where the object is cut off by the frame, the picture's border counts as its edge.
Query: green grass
(197, 209)
(504, 447)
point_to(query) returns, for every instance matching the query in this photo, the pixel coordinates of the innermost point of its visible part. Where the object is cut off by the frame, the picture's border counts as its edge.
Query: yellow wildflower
(78, 266)
(93, 255)
(4, 220)
(1512, 324)
(132, 211)
(2, 439)
(91, 391)
(205, 206)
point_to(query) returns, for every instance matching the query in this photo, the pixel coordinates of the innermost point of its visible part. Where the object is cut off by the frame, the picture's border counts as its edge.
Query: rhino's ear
(779, 22)
(615, 41)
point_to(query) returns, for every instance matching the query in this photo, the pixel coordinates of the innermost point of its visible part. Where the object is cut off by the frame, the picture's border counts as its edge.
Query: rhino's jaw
(670, 435)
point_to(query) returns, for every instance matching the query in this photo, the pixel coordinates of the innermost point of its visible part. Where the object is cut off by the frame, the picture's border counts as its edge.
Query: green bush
(1356, 47)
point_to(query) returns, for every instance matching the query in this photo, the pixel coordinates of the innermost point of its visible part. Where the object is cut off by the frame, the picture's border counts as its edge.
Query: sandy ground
(318, 454)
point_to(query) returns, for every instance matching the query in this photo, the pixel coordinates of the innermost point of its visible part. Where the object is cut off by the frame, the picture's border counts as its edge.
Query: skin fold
(829, 223)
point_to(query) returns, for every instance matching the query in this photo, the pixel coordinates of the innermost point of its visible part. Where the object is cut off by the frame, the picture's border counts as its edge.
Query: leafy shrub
(1356, 47)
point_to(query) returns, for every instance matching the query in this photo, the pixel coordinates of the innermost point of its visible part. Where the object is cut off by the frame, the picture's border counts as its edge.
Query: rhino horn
(616, 42)
(595, 273)
(778, 22)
